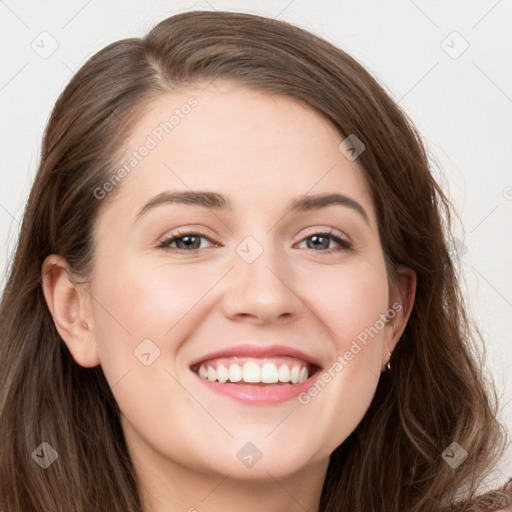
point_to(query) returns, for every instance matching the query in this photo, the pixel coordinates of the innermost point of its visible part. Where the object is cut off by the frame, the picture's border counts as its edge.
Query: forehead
(256, 148)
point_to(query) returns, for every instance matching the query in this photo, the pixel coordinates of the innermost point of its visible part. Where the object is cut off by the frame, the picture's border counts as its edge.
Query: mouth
(256, 371)
(257, 375)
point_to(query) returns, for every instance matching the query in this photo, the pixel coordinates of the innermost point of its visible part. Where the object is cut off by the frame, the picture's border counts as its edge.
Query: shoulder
(499, 497)
(506, 488)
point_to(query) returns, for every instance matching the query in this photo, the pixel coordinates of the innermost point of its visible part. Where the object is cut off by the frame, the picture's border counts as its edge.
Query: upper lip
(254, 350)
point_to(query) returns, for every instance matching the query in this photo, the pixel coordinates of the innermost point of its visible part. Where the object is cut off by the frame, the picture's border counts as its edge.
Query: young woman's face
(247, 287)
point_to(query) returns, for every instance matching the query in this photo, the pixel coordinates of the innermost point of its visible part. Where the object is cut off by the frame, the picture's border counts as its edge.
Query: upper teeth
(252, 373)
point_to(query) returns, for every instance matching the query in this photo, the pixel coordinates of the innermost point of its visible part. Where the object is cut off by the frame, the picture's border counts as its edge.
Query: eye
(321, 241)
(186, 241)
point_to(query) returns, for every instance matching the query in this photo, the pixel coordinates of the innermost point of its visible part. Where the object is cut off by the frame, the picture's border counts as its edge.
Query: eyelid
(192, 229)
(329, 231)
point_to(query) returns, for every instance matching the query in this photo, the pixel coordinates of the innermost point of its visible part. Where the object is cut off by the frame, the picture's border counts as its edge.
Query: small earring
(389, 362)
(85, 325)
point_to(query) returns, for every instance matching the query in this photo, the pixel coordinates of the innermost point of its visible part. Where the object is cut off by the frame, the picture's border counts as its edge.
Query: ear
(70, 308)
(402, 297)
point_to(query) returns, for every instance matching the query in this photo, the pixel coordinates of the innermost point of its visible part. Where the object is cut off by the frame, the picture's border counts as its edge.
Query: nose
(261, 291)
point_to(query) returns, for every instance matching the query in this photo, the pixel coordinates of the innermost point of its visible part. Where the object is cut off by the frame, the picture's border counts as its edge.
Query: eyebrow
(215, 201)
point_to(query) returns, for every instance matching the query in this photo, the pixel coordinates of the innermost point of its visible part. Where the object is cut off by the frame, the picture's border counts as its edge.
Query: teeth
(222, 373)
(252, 373)
(212, 374)
(269, 373)
(284, 373)
(235, 373)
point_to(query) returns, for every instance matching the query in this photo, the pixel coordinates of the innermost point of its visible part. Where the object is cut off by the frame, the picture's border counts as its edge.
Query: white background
(461, 104)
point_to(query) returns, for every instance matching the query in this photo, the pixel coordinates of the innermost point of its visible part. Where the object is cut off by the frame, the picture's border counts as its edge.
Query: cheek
(351, 305)
(148, 299)
(133, 305)
(141, 315)
(350, 299)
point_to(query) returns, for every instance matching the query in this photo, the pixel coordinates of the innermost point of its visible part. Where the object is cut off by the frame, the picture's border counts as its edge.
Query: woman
(232, 229)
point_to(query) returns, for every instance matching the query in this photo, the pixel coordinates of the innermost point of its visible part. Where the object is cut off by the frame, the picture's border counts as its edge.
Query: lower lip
(259, 395)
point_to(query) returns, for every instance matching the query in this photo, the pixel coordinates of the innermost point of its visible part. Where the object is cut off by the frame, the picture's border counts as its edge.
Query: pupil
(316, 237)
(188, 237)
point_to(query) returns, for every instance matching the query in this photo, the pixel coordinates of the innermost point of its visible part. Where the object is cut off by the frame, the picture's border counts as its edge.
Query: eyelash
(164, 244)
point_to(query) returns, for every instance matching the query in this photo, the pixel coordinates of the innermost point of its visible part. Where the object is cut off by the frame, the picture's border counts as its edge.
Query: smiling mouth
(256, 371)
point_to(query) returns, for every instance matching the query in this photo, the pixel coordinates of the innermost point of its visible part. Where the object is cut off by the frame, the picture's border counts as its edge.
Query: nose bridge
(262, 286)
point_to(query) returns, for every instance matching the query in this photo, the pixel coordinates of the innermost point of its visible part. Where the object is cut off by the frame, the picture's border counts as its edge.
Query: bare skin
(261, 152)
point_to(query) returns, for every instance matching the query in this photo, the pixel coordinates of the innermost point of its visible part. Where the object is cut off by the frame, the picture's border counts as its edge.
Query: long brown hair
(436, 392)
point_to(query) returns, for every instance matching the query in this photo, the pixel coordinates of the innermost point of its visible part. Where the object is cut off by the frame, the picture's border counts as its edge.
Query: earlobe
(70, 309)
